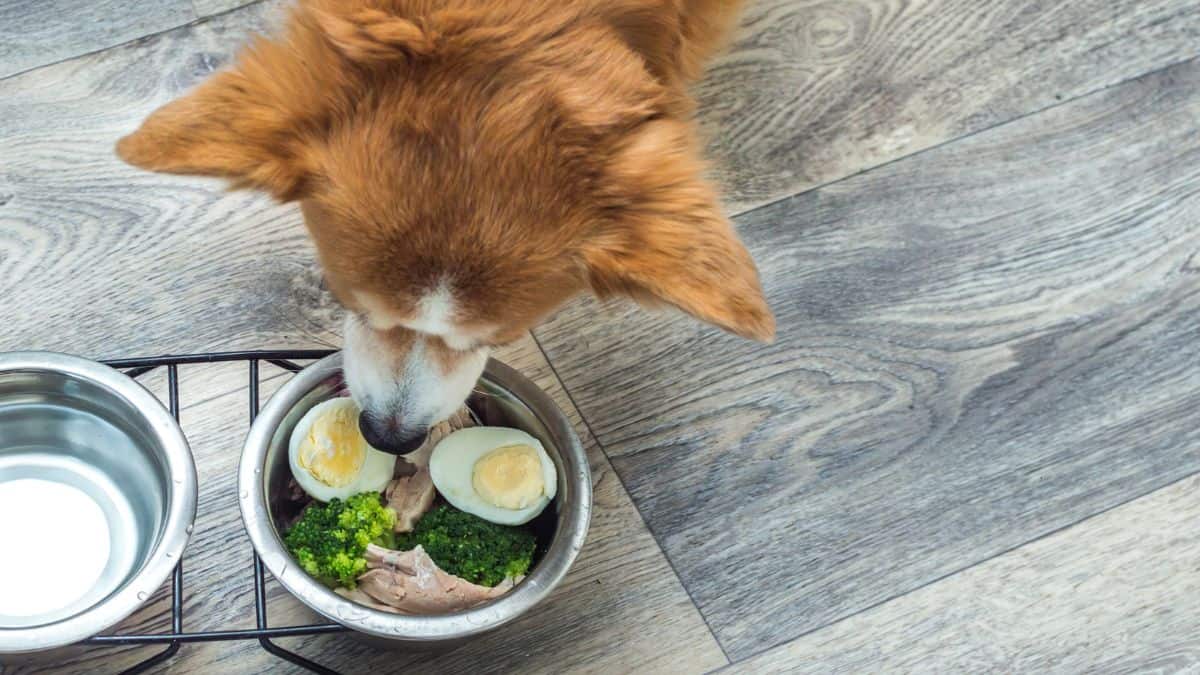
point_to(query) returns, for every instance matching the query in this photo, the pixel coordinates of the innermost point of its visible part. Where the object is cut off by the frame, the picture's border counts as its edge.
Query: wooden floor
(975, 446)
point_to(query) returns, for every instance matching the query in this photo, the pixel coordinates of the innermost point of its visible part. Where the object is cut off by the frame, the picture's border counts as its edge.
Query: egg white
(373, 476)
(452, 466)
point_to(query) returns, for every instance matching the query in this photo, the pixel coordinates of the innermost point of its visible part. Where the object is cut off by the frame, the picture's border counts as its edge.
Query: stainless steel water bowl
(97, 499)
(503, 398)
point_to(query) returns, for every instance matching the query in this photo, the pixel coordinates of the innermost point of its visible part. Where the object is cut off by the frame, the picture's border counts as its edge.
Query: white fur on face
(411, 386)
(435, 315)
(435, 312)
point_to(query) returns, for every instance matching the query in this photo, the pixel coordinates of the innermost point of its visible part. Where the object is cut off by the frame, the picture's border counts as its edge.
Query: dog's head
(462, 174)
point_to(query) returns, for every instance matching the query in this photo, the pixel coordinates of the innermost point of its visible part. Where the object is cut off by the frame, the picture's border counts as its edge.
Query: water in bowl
(39, 575)
(68, 534)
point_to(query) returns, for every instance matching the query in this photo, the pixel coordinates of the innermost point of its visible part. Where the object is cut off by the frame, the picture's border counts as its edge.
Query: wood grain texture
(621, 591)
(85, 239)
(816, 90)
(1118, 593)
(210, 7)
(978, 344)
(37, 32)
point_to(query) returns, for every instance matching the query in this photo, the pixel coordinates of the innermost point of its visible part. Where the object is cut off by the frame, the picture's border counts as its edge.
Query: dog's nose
(389, 435)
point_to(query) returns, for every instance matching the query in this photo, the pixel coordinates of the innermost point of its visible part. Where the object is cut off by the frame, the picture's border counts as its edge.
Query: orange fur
(525, 151)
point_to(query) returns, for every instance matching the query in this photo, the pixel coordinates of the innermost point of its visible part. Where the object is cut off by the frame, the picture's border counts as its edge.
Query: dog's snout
(389, 434)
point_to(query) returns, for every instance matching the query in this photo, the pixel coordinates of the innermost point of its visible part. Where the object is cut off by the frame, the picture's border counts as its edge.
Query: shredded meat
(411, 492)
(410, 497)
(459, 420)
(356, 595)
(291, 507)
(412, 583)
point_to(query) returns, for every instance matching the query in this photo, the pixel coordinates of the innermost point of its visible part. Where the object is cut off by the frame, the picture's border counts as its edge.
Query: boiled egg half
(331, 459)
(499, 474)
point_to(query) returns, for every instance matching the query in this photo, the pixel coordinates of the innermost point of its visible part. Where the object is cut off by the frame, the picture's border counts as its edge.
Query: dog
(464, 167)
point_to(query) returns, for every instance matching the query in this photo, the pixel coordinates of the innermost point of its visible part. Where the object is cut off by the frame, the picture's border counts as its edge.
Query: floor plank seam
(196, 21)
(1058, 103)
(202, 15)
(956, 572)
(621, 482)
(235, 390)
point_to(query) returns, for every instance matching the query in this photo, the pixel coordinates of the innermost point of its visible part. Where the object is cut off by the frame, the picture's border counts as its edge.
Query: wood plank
(978, 344)
(86, 240)
(1118, 593)
(210, 7)
(37, 32)
(621, 591)
(817, 90)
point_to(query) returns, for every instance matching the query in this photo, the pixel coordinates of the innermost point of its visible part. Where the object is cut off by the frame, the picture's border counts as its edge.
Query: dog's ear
(232, 126)
(675, 42)
(668, 240)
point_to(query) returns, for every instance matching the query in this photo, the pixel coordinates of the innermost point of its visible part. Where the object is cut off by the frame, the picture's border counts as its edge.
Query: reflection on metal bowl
(97, 499)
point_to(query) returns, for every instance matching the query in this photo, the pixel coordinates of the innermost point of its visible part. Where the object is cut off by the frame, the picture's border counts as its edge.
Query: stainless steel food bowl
(503, 398)
(89, 456)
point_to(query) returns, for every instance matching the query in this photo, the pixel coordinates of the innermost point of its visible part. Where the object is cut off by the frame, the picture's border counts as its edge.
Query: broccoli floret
(329, 540)
(470, 547)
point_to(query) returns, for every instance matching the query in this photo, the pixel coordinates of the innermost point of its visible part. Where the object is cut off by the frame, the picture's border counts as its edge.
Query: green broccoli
(470, 547)
(329, 540)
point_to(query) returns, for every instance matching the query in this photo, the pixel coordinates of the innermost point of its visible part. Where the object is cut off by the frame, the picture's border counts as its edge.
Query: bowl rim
(175, 529)
(563, 550)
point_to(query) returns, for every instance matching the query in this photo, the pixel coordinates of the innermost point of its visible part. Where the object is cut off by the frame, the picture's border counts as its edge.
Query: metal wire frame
(264, 633)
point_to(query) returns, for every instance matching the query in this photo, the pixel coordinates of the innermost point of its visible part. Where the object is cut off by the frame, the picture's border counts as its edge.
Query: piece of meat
(412, 583)
(410, 497)
(295, 493)
(411, 492)
(459, 420)
(356, 595)
(291, 508)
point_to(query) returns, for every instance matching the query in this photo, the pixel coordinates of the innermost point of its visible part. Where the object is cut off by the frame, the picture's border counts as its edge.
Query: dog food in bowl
(472, 529)
(445, 528)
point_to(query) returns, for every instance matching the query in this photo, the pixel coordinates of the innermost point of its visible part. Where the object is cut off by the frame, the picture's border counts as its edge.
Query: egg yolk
(509, 477)
(333, 450)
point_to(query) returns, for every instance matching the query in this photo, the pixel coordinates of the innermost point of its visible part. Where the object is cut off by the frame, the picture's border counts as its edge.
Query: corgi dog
(464, 167)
